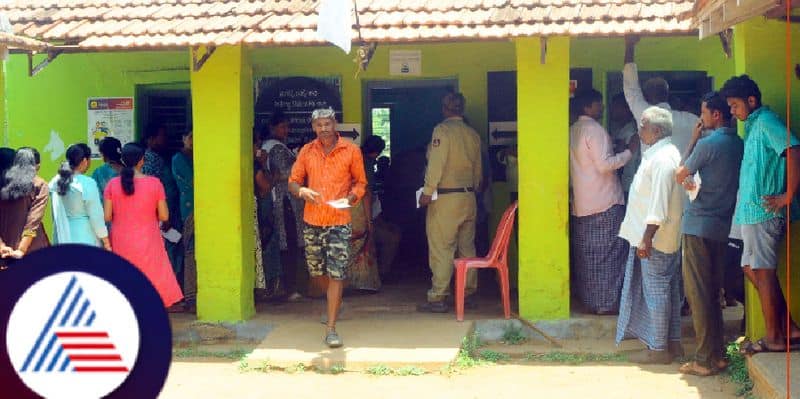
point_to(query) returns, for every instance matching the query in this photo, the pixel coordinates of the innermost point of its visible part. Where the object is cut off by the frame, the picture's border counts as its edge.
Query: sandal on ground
(692, 368)
(332, 339)
(751, 348)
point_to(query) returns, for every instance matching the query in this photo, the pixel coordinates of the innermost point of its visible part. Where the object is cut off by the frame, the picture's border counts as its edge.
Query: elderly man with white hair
(650, 308)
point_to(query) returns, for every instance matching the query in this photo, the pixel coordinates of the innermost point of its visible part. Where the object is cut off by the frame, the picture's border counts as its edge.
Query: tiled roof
(173, 23)
(17, 42)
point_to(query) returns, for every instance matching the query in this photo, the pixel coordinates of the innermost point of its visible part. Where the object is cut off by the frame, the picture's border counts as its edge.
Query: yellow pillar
(760, 52)
(543, 134)
(222, 113)
(3, 120)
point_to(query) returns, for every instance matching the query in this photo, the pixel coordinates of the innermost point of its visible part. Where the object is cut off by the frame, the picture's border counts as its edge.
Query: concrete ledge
(768, 372)
(428, 343)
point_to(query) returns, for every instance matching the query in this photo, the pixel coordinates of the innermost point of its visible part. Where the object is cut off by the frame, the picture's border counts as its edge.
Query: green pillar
(3, 120)
(543, 135)
(760, 52)
(222, 109)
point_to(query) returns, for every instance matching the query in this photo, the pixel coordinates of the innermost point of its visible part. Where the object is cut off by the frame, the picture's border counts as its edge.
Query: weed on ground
(737, 372)
(194, 352)
(513, 335)
(575, 358)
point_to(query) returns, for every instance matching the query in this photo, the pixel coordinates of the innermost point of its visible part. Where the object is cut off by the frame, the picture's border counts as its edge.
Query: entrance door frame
(368, 85)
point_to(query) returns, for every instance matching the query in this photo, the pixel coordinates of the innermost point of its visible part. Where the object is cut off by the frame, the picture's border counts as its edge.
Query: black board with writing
(296, 97)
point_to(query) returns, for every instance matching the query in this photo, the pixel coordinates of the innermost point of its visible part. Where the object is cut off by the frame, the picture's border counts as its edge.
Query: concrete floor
(384, 328)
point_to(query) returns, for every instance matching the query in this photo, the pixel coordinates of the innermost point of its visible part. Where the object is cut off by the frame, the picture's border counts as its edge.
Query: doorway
(404, 113)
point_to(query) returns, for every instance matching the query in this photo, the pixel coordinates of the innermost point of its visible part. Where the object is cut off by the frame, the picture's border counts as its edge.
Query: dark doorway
(169, 107)
(404, 114)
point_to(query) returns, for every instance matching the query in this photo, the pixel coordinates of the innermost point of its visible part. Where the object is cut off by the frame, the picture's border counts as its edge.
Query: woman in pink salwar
(134, 204)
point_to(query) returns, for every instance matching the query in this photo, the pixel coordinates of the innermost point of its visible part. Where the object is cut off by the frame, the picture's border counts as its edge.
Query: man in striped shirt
(329, 176)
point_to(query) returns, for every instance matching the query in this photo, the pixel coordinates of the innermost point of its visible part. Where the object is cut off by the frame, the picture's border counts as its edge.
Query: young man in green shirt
(764, 195)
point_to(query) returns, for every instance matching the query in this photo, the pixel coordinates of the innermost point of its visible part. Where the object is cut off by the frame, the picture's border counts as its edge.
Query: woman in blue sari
(77, 210)
(111, 150)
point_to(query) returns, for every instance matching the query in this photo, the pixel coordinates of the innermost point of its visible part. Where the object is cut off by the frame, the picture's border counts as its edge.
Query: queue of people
(696, 185)
(652, 211)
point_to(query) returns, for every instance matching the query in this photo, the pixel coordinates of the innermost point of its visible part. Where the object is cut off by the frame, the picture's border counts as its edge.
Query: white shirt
(593, 168)
(655, 198)
(683, 123)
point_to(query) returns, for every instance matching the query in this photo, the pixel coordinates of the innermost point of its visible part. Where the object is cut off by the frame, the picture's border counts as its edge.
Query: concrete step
(768, 372)
(589, 326)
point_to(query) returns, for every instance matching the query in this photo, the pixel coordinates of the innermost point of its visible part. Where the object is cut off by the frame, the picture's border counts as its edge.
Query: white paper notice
(171, 235)
(405, 62)
(340, 203)
(693, 193)
(433, 197)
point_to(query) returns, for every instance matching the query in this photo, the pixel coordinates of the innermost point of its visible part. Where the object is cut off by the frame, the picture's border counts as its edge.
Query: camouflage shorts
(327, 250)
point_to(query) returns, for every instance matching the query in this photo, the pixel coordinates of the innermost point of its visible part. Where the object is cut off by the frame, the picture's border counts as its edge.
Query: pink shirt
(592, 167)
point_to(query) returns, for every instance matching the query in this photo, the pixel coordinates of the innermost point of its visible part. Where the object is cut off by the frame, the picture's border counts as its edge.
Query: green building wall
(55, 100)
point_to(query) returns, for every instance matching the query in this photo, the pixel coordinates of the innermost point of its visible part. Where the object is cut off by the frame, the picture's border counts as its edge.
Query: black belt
(455, 190)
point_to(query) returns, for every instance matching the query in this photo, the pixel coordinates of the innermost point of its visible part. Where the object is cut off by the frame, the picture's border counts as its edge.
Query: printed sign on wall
(405, 62)
(109, 116)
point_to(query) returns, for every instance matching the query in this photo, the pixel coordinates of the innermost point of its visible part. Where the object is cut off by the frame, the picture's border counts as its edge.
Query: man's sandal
(332, 339)
(692, 368)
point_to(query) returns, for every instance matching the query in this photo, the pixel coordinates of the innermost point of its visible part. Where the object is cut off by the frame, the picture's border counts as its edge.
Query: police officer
(454, 173)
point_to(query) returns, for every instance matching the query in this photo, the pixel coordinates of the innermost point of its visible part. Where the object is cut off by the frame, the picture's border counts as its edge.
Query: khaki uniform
(454, 162)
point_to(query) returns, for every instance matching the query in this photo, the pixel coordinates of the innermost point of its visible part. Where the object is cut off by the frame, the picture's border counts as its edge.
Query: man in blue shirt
(764, 195)
(714, 161)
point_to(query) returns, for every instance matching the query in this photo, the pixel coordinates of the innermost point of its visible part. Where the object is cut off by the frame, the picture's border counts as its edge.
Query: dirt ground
(199, 378)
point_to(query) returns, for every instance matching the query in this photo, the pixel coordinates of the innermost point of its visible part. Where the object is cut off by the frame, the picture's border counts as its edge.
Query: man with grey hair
(329, 176)
(650, 308)
(454, 172)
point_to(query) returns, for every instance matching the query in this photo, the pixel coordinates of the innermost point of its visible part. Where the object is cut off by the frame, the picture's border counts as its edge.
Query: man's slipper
(749, 348)
(692, 368)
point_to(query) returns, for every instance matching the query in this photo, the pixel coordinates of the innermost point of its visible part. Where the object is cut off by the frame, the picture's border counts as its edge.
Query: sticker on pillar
(72, 320)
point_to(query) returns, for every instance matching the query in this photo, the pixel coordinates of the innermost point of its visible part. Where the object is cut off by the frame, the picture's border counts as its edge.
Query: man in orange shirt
(329, 176)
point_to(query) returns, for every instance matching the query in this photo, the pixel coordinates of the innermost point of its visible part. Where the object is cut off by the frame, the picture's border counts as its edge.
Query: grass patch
(194, 352)
(411, 370)
(296, 369)
(737, 372)
(263, 367)
(575, 358)
(513, 335)
(493, 356)
(244, 365)
(334, 370)
(379, 369)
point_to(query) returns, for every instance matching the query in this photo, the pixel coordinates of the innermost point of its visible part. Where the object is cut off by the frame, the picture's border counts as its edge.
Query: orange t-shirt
(334, 176)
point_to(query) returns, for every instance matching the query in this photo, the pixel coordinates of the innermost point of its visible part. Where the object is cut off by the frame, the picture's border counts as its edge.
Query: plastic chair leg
(461, 282)
(505, 292)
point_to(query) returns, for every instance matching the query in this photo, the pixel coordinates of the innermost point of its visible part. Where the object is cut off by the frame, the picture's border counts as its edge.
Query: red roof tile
(166, 23)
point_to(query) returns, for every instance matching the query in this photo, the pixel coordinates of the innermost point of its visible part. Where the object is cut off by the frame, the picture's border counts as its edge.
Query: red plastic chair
(497, 259)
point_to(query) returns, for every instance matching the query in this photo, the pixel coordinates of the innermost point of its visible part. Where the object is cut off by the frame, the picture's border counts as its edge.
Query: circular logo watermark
(80, 322)
(72, 335)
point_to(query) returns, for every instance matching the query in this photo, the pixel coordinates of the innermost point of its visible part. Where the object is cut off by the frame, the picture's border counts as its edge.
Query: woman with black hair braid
(75, 198)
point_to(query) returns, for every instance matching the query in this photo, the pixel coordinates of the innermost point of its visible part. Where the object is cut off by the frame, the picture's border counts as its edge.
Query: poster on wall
(296, 97)
(109, 117)
(405, 62)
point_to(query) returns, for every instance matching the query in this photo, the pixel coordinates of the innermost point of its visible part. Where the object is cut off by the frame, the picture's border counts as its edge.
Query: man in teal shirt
(764, 195)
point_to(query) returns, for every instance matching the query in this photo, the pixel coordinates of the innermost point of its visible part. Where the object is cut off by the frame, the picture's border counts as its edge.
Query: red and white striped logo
(85, 340)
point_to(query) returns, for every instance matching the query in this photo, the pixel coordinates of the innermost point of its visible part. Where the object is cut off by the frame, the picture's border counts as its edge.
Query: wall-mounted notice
(109, 116)
(296, 97)
(405, 62)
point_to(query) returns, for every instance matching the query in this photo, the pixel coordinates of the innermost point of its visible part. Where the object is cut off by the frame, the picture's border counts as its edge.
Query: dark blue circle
(149, 373)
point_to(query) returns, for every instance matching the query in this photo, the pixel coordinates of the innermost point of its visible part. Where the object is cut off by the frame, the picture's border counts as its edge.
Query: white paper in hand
(693, 193)
(434, 196)
(171, 235)
(340, 203)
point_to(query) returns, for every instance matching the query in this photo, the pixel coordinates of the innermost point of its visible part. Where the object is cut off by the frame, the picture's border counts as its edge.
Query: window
(381, 127)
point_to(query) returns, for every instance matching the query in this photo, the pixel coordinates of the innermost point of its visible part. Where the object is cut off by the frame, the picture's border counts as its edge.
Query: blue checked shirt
(763, 166)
